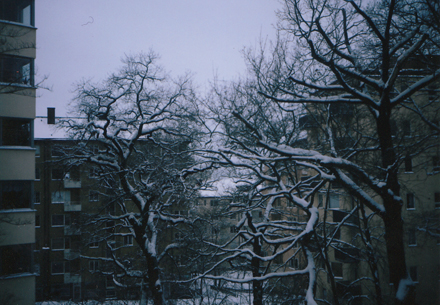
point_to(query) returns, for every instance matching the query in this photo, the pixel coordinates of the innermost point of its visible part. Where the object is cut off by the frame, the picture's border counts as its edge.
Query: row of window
(60, 174)
(411, 201)
(61, 197)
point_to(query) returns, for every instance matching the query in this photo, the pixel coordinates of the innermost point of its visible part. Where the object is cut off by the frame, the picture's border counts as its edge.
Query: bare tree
(368, 58)
(136, 137)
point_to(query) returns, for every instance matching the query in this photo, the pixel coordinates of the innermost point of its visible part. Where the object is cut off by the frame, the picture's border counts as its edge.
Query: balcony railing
(72, 230)
(70, 278)
(72, 184)
(72, 206)
(70, 254)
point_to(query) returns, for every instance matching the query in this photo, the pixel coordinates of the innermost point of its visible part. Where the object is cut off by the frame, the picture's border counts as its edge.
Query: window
(56, 152)
(94, 244)
(59, 267)
(93, 172)
(93, 196)
(435, 163)
(20, 11)
(406, 128)
(337, 270)
(37, 199)
(412, 240)
(15, 259)
(57, 174)
(15, 195)
(128, 240)
(320, 201)
(408, 164)
(60, 243)
(294, 263)
(334, 201)
(93, 266)
(37, 221)
(37, 173)
(16, 70)
(37, 151)
(109, 283)
(60, 196)
(233, 229)
(413, 273)
(214, 202)
(410, 201)
(60, 220)
(437, 200)
(16, 132)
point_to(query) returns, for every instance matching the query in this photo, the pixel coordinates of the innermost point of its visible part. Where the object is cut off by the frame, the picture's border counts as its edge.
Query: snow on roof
(42, 130)
(220, 188)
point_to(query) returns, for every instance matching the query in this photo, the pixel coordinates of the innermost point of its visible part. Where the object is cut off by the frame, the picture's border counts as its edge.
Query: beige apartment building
(419, 177)
(17, 152)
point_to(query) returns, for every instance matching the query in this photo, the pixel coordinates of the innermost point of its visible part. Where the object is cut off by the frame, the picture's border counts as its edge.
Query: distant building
(17, 152)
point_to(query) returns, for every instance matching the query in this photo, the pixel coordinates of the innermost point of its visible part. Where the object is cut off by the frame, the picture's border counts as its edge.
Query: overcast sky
(87, 38)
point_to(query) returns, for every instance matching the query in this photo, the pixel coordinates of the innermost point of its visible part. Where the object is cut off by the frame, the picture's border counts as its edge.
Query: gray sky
(79, 39)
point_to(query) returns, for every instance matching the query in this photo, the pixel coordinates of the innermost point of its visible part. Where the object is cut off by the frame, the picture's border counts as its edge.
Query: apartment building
(17, 153)
(419, 177)
(72, 258)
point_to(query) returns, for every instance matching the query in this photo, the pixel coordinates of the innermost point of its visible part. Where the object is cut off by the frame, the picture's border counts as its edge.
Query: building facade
(17, 152)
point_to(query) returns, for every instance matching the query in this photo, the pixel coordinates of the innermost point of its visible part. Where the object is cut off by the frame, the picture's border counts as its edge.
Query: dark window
(94, 245)
(37, 199)
(15, 259)
(56, 151)
(437, 200)
(37, 150)
(60, 243)
(412, 240)
(406, 128)
(20, 11)
(37, 174)
(37, 220)
(15, 194)
(410, 201)
(435, 163)
(59, 220)
(214, 202)
(15, 132)
(413, 273)
(57, 267)
(408, 164)
(93, 266)
(94, 196)
(57, 174)
(128, 240)
(337, 269)
(16, 70)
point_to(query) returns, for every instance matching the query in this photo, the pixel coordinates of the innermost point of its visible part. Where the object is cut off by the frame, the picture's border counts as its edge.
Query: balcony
(72, 230)
(72, 206)
(70, 278)
(72, 184)
(70, 254)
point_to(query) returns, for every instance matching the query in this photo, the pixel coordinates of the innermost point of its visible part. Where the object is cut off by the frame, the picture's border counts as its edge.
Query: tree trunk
(393, 207)
(257, 286)
(154, 280)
